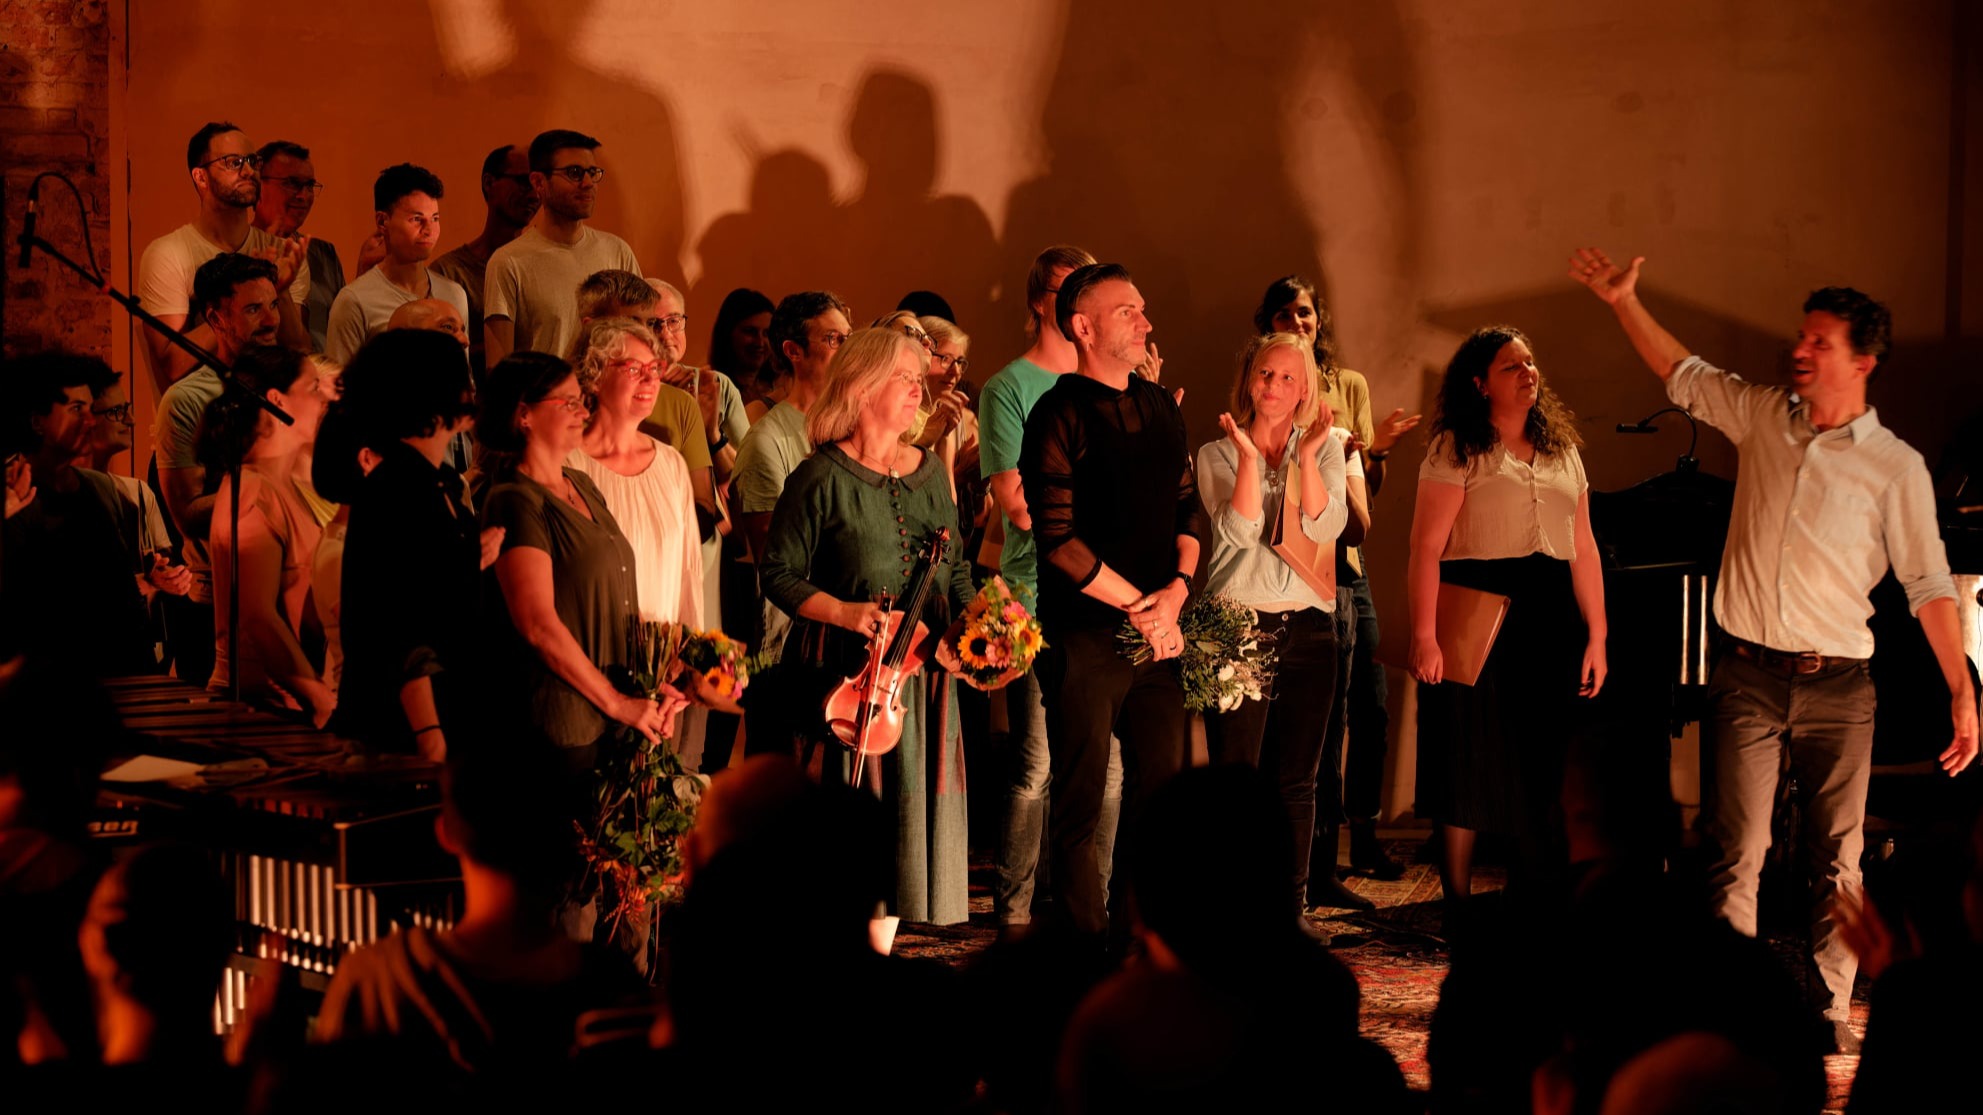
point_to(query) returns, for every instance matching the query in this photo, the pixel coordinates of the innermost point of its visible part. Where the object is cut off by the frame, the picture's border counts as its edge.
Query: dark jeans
(1283, 735)
(1369, 719)
(1091, 691)
(1824, 722)
(1022, 831)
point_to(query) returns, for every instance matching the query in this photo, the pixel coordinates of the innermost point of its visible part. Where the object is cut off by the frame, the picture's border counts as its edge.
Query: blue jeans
(1029, 772)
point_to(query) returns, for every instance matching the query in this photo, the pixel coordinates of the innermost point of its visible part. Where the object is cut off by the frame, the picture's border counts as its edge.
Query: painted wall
(1431, 162)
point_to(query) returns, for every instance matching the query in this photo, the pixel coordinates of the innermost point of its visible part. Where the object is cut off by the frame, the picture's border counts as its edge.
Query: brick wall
(55, 115)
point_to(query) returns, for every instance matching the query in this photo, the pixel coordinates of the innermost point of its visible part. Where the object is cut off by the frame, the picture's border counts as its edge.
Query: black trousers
(1283, 734)
(1090, 692)
(1369, 719)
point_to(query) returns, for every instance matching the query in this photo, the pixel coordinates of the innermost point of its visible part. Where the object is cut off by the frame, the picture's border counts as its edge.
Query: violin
(864, 712)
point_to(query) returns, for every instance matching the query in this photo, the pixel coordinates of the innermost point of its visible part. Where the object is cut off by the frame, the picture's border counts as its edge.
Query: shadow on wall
(543, 85)
(444, 92)
(1189, 181)
(895, 235)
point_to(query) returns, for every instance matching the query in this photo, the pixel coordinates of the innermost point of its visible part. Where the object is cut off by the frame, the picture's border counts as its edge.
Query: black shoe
(1326, 890)
(1367, 855)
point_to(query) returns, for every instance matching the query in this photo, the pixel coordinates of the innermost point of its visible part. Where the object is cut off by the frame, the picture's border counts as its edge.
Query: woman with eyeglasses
(565, 589)
(848, 528)
(644, 482)
(279, 531)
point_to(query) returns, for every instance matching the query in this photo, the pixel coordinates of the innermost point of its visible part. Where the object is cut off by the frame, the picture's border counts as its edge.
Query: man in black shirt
(1117, 522)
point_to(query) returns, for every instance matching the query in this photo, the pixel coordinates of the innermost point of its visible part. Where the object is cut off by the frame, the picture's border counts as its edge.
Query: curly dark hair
(1462, 408)
(1286, 289)
(1868, 322)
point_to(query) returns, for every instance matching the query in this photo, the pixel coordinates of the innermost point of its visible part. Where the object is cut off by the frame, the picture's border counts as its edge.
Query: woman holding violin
(849, 529)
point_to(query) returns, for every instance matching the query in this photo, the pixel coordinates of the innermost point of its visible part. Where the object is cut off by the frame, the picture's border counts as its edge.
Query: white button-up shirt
(1513, 508)
(1818, 517)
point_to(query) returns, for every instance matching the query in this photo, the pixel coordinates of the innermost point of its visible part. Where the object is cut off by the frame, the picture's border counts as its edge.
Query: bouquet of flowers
(1225, 659)
(999, 636)
(646, 798)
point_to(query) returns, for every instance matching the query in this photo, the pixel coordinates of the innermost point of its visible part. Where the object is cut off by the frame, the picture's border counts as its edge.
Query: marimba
(324, 847)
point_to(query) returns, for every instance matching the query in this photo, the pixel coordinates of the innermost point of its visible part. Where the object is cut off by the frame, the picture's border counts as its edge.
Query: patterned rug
(1396, 952)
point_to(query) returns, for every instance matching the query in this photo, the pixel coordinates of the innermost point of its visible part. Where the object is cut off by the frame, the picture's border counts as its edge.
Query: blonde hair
(861, 367)
(602, 341)
(889, 319)
(1256, 350)
(943, 329)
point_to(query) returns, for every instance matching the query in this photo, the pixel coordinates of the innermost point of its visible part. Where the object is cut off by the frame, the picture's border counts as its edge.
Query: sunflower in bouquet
(1225, 661)
(998, 638)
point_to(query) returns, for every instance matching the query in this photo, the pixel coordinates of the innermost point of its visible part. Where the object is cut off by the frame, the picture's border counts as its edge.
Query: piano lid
(1676, 521)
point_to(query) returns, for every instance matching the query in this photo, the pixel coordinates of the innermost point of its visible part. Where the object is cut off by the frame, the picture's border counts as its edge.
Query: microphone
(1637, 428)
(27, 225)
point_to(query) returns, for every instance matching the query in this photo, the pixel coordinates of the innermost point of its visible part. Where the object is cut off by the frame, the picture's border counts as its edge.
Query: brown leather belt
(1790, 662)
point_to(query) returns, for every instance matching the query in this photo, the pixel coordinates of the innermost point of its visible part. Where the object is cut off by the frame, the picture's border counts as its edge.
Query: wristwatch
(721, 441)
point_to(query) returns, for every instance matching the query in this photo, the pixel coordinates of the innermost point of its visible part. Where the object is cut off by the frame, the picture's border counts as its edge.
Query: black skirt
(1491, 755)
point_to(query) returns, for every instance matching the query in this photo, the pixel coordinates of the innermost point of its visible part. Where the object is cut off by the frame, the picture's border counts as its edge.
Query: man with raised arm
(1826, 500)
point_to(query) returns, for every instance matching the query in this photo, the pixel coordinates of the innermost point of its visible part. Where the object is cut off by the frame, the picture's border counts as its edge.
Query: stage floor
(1399, 960)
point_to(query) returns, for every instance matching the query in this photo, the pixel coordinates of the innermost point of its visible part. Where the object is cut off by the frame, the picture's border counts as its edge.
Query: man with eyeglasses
(406, 202)
(511, 202)
(806, 330)
(722, 404)
(224, 170)
(289, 191)
(527, 301)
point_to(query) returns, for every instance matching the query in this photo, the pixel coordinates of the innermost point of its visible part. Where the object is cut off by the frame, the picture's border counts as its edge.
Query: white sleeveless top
(656, 512)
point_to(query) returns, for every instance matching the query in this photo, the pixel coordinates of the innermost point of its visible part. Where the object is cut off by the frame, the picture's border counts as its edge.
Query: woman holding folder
(1503, 508)
(1279, 472)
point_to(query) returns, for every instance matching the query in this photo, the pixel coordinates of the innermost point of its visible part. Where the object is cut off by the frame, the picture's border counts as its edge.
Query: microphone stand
(29, 242)
(1687, 463)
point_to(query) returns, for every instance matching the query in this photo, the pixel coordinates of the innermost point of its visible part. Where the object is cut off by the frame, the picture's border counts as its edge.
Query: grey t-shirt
(773, 448)
(363, 308)
(176, 440)
(534, 283)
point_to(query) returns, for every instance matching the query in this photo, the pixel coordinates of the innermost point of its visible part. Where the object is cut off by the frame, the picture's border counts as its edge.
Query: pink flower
(1014, 612)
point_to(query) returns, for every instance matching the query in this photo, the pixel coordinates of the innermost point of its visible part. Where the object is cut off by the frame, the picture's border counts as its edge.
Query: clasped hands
(1155, 617)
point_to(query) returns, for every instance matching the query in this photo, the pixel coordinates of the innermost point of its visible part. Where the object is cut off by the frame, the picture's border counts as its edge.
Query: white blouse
(656, 511)
(1512, 508)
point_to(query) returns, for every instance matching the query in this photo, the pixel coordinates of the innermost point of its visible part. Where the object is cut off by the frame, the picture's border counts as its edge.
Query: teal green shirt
(1002, 409)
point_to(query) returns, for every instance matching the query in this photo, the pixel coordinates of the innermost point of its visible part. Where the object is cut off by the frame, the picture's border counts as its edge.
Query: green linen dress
(843, 529)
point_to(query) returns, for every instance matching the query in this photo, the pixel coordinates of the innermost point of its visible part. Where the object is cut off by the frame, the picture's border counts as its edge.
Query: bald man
(430, 313)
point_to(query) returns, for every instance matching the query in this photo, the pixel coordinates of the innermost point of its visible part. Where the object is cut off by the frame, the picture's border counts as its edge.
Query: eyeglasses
(955, 365)
(119, 413)
(915, 333)
(832, 340)
(233, 163)
(649, 372)
(576, 174)
(672, 323)
(299, 185)
(520, 179)
(570, 404)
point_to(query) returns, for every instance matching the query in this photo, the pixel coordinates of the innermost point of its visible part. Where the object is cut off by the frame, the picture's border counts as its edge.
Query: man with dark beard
(226, 176)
